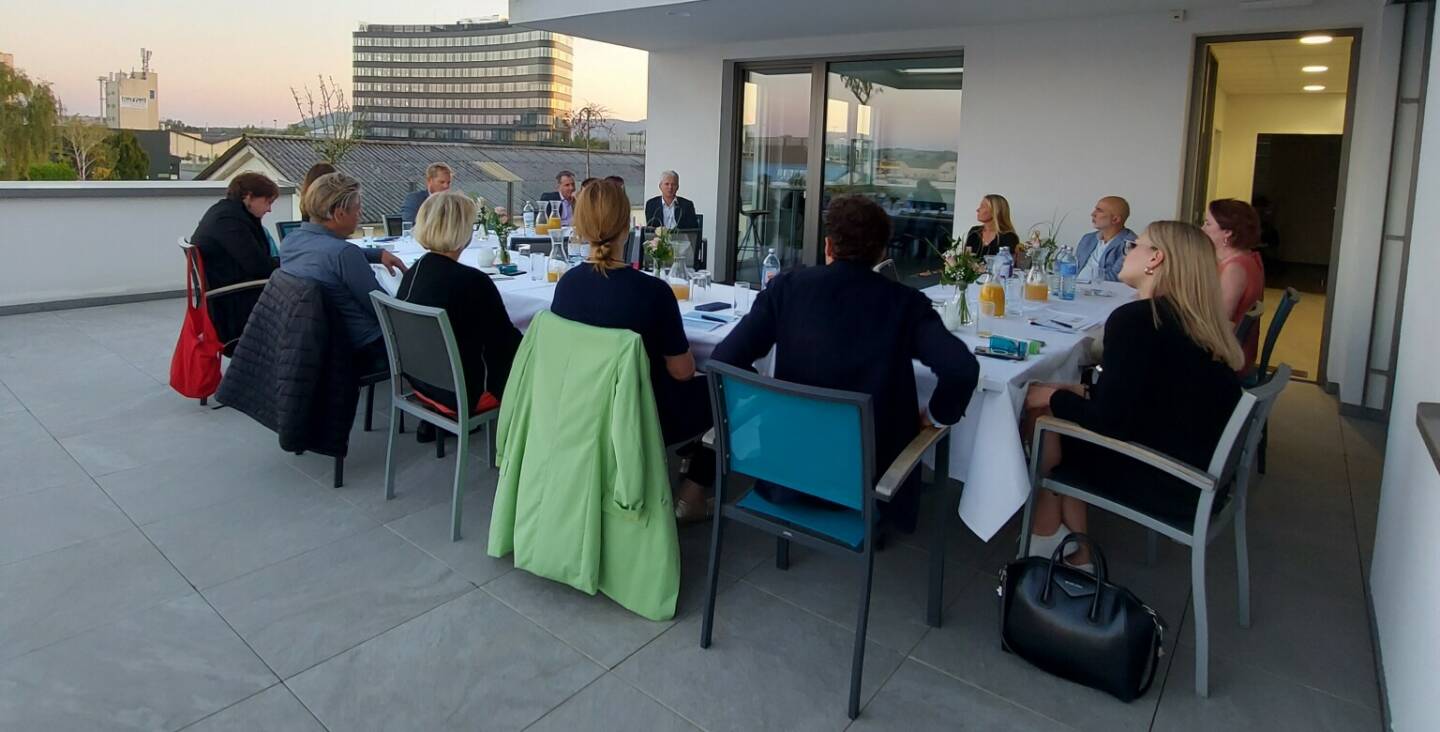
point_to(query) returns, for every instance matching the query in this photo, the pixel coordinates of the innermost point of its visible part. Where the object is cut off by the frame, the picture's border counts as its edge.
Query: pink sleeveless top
(1254, 292)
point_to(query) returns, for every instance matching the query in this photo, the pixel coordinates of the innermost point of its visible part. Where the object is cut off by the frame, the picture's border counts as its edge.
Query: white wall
(67, 241)
(1054, 119)
(1247, 116)
(1404, 579)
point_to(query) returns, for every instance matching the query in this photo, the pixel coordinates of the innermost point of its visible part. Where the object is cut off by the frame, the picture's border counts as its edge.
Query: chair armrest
(708, 439)
(1198, 478)
(908, 460)
(237, 287)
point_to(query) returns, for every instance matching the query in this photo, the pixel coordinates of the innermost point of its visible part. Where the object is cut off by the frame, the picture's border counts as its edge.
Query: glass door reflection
(773, 150)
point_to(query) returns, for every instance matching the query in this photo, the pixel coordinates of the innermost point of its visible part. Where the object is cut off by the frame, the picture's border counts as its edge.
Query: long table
(993, 469)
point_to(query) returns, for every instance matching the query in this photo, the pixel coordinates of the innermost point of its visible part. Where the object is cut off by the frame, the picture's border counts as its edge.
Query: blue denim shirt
(342, 271)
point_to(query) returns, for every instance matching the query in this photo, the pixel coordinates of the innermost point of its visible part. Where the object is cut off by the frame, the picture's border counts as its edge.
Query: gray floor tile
(430, 530)
(306, 609)
(157, 491)
(78, 415)
(223, 541)
(59, 594)
(968, 647)
(87, 377)
(1243, 697)
(1313, 638)
(919, 698)
(469, 664)
(272, 710)
(160, 668)
(8, 402)
(591, 624)
(42, 521)
(33, 460)
(771, 666)
(176, 437)
(611, 705)
(829, 586)
(421, 479)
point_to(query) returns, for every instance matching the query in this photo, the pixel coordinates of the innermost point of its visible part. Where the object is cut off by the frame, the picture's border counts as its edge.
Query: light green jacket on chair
(584, 495)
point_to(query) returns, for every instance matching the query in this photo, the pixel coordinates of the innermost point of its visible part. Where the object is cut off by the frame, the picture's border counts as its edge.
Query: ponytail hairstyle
(602, 218)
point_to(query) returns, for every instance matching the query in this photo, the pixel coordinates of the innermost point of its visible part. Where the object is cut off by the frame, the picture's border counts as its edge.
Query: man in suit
(437, 179)
(844, 326)
(1101, 252)
(668, 209)
(564, 193)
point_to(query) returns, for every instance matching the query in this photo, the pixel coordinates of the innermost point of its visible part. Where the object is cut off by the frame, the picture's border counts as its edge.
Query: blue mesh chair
(818, 442)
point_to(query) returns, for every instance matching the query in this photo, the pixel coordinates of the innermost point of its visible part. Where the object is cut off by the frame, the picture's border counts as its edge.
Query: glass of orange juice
(1037, 286)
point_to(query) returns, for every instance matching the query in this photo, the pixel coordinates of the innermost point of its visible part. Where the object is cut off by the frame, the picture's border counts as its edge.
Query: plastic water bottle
(769, 269)
(1004, 264)
(1068, 268)
(529, 218)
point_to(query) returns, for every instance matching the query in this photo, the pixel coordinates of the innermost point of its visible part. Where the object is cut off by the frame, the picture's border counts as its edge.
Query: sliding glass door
(805, 132)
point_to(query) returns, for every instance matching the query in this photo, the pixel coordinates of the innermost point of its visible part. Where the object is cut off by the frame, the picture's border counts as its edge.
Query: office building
(474, 81)
(132, 98)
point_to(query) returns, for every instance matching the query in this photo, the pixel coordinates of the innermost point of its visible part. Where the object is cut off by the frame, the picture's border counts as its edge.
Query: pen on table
(712, 318)
(1066, 326)
(1047, 326)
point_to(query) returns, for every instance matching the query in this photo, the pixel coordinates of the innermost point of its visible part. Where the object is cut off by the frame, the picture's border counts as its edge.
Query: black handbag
(1078, 626)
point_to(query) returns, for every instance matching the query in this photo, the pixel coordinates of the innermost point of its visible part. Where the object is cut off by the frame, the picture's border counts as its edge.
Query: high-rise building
(479, 80)
(132, 98)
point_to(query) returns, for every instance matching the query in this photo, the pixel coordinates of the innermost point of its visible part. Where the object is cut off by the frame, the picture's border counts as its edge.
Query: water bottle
(1004, 264)
(769, 269)
(1068, 268)
(529, 214)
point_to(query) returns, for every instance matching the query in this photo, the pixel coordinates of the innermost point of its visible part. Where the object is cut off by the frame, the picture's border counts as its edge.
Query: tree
(331, 120)
(28, 112)
(83, 145)
(50, 171)
(582, 124)
(130, 161)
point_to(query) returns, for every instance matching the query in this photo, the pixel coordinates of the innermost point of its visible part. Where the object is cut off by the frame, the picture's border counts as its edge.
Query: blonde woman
(995, 229)
(605, 292)
(1169, 384)
(483, 332)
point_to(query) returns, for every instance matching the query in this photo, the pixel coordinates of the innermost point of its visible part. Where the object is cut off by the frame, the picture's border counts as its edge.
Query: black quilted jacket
(292, 372)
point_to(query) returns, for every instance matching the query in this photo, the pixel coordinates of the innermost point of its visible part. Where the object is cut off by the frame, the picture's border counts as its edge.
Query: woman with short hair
(606, 293)
(484, 335)
(995, 229)
(1169, 384)
(1234, 230)
(235, 248)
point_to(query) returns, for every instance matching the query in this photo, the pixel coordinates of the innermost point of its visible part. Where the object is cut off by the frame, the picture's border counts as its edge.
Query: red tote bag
(195, 366)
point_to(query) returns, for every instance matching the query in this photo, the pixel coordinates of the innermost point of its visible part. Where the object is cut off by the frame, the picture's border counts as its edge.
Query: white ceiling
(1273, 67)
(665, 24)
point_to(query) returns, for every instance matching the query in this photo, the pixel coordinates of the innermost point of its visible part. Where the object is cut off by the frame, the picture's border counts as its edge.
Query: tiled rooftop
(164, 565)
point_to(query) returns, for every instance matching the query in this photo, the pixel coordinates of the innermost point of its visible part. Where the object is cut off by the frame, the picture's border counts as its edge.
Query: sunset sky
(234, 64)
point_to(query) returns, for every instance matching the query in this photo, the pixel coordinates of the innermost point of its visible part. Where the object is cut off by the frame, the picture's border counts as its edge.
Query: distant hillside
(625, 127)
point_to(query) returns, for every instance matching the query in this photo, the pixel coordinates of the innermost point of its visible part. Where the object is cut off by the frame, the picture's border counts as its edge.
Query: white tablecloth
(995, 473)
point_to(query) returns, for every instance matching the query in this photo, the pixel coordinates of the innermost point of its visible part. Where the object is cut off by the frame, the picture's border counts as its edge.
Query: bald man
(1101, 252)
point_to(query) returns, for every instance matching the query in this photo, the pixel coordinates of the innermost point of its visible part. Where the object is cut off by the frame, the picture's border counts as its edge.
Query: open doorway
(1270, 127)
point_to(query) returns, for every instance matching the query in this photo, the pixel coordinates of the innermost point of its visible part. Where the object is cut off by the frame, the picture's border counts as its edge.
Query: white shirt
(1091, 271)
(668, 212)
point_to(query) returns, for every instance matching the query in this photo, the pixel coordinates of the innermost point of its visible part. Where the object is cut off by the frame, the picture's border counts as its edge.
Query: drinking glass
(369, 235)
(700, 286)
(407, 230)
(742, 298)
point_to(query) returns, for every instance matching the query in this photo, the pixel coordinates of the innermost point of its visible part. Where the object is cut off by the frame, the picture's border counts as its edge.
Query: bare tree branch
(331, 120)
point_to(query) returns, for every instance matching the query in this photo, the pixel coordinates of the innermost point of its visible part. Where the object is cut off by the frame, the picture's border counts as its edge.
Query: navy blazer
(843, 326)
(684, 213)
(411, 209)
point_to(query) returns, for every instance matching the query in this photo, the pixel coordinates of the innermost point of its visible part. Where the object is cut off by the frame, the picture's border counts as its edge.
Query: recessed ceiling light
(1316, 40)
(1314, 69)
(1314, 87)
(678, 13)
(944, 70)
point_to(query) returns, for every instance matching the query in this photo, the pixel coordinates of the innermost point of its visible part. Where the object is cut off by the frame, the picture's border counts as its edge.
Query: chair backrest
(1277, 323)
(543, 242)
(1265, 395)
(394, 225)
(1230, 446)
(421, 345)
(1248, 323)
(815, 441)
(193, 265)
(888, 269)
(283, 229)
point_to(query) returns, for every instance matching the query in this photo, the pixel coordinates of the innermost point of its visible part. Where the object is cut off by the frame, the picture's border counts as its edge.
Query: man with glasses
(1101, 252)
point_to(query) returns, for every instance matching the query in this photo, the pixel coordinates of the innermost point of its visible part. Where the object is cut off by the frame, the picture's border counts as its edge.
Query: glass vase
(956, 314)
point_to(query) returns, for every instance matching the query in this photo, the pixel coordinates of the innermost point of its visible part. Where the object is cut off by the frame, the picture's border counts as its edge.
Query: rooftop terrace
(164, 566)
